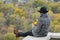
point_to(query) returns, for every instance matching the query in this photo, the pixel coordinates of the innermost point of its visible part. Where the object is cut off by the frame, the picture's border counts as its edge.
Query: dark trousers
(24, 34)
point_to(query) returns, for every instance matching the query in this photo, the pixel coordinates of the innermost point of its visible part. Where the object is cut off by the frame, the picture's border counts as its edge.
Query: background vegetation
(20, 15)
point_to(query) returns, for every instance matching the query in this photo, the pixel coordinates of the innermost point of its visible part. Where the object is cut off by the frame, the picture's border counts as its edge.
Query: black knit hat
(43, 10)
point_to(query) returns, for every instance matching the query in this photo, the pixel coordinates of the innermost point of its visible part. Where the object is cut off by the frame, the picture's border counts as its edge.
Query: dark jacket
(43, 26)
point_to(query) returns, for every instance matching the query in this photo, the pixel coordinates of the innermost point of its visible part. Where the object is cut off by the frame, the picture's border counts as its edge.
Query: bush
(10, 36)
(55, 7)
(1, 36)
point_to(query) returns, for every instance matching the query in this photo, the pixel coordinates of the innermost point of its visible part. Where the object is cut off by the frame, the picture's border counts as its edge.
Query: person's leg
(24, 34)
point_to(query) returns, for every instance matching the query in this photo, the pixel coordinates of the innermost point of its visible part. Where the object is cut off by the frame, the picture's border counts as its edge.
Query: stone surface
(38, 38)
(49, 35)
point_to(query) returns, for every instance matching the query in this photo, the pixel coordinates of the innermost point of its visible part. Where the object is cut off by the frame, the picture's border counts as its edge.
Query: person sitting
(42, 28)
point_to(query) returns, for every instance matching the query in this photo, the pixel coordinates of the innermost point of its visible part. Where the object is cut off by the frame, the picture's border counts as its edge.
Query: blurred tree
(57, 28)
(39, 3)
(55, 7)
